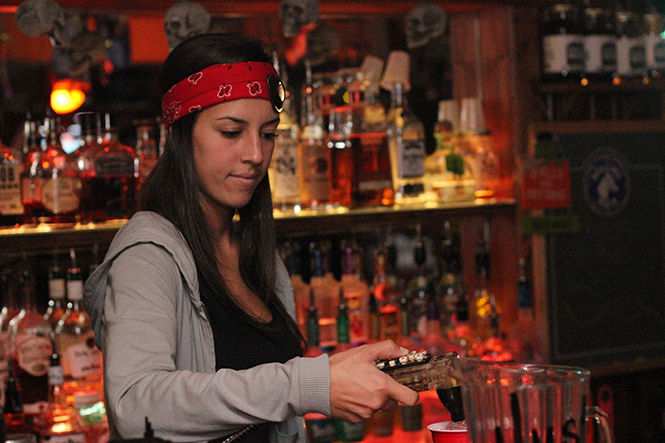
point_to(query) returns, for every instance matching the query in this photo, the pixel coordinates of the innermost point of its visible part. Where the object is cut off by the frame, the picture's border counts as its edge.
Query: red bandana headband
(220, 83)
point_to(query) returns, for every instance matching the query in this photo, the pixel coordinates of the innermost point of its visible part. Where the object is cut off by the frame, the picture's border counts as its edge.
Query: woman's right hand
(358, 388)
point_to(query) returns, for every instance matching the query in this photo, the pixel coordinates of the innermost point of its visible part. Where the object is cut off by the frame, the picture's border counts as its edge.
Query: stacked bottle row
(95, 179)
(52, 377)
(425, 307)
(602, 42)
(347, 150)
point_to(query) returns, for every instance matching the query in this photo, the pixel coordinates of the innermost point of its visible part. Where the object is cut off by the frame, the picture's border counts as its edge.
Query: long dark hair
(172, 189)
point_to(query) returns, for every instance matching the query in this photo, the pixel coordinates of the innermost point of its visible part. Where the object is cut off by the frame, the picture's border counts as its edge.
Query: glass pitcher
(526, 403)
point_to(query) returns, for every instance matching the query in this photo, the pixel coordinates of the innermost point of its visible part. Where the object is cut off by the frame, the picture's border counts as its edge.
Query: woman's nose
(253, 151)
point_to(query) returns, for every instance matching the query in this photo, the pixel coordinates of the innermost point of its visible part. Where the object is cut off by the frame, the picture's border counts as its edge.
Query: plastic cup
(441, 433)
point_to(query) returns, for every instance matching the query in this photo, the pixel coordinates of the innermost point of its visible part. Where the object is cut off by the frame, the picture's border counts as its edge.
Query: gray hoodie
(159, 360)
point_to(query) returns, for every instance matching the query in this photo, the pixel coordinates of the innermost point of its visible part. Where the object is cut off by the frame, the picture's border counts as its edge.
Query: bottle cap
(397, 71)
(472, 118)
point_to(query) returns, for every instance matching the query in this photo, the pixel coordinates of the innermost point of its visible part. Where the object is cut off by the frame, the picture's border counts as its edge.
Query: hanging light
(67, 95)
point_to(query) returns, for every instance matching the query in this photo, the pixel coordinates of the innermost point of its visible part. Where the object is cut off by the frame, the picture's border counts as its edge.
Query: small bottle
(81, 360)
(30, 348)
(406, 140)
(315, 160)
(57, 291)
(11, 204)
(563, 43)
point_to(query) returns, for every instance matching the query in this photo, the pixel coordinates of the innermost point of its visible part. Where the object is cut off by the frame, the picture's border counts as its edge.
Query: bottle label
(601, 54)
(75, 289)
(83, 359)
(372, 160)
(33, 354)
(285, 184)
(413, 158)
(316, 171)
(563, 53)
(60, 195)
(631, 57)
(116, 165)
(55, 376)
(56, 288)
(63, 438)
(10, 190)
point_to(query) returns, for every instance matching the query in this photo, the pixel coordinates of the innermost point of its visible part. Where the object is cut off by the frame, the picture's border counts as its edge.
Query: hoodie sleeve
(142, 377)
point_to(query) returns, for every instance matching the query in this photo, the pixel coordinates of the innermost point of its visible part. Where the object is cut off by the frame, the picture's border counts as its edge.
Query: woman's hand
(358, 388)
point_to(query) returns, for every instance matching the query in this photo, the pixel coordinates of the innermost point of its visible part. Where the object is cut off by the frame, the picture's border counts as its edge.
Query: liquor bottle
(57, 291)
(600, 44)
(312, 328)
(51, 182)
(14, 418)
(450, 286)
(81, 360)
(372, 182)
(345, 430)
(342, 165)
(11, 204)
(655, 44)
(433, 340)
(31, 152)
(145, 148)
(448, 176)
(631, 50)
(495, 348)
(461, 336)
(315, 161)
(419, 289)
(525, 340)
(30, 347)
(301, 289)
(61, 423)
(284, 171)
(406, 141)
(325, 289)
(563, 43)
(109, 180)
(374, 320)
(481, 303)
(91, 140)
(356, 293)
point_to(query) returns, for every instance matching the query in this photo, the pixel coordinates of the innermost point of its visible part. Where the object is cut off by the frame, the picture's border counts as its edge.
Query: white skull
(183, 20)
(37, 17)
(423, 23)
(295, 13)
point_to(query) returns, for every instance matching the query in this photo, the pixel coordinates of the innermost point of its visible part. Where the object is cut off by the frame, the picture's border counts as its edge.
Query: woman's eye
(230, 134)
(269, 135)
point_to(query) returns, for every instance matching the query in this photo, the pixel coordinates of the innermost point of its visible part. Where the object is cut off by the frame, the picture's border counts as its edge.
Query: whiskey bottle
(342, 163)
(11, 205)
(30, 348)
(31, 152)
(406, 141)
(81, 360)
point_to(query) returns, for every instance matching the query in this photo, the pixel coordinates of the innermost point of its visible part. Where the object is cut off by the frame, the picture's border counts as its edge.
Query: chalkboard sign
(606, 282)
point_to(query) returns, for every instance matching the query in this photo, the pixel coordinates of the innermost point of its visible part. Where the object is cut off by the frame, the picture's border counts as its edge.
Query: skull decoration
(65, 30)
(424, 22)
(295, 13)
(183, 20)
(38, 17)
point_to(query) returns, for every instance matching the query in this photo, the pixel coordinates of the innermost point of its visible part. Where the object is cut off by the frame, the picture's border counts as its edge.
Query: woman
(192, 310)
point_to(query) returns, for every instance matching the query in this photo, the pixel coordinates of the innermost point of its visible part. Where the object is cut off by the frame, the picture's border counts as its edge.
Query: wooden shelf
(35, 240)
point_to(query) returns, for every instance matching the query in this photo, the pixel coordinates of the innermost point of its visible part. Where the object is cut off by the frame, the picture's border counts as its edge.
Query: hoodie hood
(143, 227)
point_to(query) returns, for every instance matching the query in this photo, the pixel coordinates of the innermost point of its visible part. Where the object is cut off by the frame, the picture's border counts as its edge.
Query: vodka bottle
(81, 360)
(406, 141)
(30, 347)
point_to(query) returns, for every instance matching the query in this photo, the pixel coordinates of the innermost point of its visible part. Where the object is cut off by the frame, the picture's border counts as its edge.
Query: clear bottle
(11, 204)
(31, 153)
(325, 289)
(406, 141)
(145, 148)
(563, 43)
(315, 160)
(631, 50)
(57, 291)
(341, 155)
(284, 171)
(312, 328)
(109, 180)
(81, 360)
(30, 347)
(51, 181)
